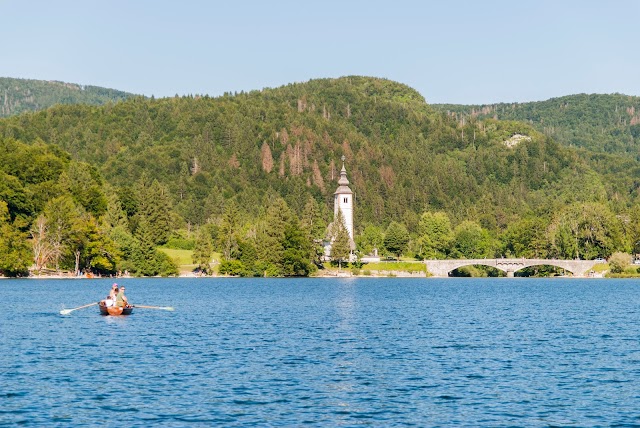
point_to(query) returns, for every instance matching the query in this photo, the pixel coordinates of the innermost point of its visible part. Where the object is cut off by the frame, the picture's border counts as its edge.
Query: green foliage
(14, 250)
(154, 207)
(20, 95)
(435, 235)
(314, 227)
(396, 238)
(206, 151)
(526, 238)
(203, 250)
(340, 242)
(231, 267)
(599, 122)
(258, 169)
(296, 260)
(585, 231)
(471, 241)
(228, 231)
(179, 243)
(372, 237)
(619, 262)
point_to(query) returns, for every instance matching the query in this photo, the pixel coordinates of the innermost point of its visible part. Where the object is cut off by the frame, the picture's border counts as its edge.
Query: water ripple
(388, 352)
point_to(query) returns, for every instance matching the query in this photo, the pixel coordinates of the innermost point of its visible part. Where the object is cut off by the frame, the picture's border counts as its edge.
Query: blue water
(327, 352)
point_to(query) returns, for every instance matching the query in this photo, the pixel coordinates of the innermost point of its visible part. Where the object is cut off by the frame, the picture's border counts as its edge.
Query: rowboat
(114, 310)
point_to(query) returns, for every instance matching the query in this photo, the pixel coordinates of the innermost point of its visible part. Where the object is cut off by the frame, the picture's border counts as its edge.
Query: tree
(99, 252)
(64, 219)
(340, 242)
(83, 182)
(435, 235)
(314, 228)
(586, 231)
(115, 215)
(155, 205)
(14, 249)
(41, 246)
(202, 252)
(619, 261)
(471, 241)
(271, 238)
(396, 238)
(372, 237)
(296, 260)
(525, 238)
(267, 158)
(227, 234)
(633, 228)
(145, 252)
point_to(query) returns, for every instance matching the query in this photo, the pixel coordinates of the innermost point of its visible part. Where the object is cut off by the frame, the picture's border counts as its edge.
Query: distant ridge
(599, 122)
(23, 95)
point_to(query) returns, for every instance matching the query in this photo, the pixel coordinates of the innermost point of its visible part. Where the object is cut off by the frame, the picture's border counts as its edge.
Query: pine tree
(227, 234)
(341, 244)
(202, 250)
(267, 158)
(145, 254)
(314, 228)
(271, 240)
(155, 205)
(115, 215)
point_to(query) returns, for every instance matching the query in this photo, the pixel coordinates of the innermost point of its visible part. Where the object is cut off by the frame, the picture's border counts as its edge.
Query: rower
(121, 299)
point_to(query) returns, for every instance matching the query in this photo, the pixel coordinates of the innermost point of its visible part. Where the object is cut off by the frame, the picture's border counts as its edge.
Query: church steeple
(343, 200)
(343, 181)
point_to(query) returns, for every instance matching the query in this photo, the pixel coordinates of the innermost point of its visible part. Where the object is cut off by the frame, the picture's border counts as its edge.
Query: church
(342, 201)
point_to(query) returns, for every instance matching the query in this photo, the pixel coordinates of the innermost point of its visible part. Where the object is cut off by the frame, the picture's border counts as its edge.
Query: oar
(68, 311)
(166, 308)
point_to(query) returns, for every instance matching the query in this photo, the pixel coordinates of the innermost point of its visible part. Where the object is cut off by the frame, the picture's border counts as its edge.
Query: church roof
(343, 182)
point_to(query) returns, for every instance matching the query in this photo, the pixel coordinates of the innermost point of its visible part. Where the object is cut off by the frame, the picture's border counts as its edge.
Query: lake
(326, 352)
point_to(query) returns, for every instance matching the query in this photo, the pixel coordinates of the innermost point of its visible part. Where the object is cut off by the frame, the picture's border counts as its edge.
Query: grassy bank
(182, 258)
(401, 266)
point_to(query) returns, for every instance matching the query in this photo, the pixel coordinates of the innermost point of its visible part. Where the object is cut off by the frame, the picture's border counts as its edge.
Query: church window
(346, 200)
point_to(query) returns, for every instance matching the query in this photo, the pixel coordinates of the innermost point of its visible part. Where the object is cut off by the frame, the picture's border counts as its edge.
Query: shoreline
(337, 275)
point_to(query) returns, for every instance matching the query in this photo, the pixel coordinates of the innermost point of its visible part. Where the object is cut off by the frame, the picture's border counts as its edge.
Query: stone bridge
(441, 268)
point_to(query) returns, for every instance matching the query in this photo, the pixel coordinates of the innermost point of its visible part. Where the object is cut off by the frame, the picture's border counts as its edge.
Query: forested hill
(402, 157)
(598, 122)
(21, 95)
(245, 166)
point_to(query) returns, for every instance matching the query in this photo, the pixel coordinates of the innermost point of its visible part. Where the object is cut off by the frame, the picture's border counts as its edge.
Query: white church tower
(343, 201)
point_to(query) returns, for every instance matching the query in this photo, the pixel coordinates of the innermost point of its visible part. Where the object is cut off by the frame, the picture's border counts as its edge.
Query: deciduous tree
(396, 238)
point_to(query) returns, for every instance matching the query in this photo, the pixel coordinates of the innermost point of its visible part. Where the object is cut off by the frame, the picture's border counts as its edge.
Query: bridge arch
(442, 268)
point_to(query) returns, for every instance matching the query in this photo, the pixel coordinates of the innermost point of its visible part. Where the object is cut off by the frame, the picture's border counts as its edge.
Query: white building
(343, 201)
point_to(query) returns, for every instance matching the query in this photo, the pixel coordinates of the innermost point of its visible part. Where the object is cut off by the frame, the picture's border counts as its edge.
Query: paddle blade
(66, 311)
(164, 308)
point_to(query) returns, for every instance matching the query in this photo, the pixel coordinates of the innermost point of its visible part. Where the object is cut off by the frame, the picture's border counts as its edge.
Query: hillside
(402, 157)
(244, 169)
(599, 122)
(21, 95)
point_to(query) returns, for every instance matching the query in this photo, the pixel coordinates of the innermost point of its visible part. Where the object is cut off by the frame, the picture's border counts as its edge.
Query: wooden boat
(114, 310)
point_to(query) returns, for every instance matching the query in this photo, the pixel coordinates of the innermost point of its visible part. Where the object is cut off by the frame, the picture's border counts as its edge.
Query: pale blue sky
(450, 51)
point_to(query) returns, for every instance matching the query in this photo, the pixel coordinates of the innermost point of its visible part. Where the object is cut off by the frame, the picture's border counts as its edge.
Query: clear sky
(450, 51)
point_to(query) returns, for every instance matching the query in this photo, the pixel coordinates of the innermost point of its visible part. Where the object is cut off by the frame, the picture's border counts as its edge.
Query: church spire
(343, 181)
(343, 200)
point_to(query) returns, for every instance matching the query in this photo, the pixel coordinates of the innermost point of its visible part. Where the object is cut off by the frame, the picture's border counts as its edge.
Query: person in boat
(121, 299)
(108, 302)
(111, 298)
